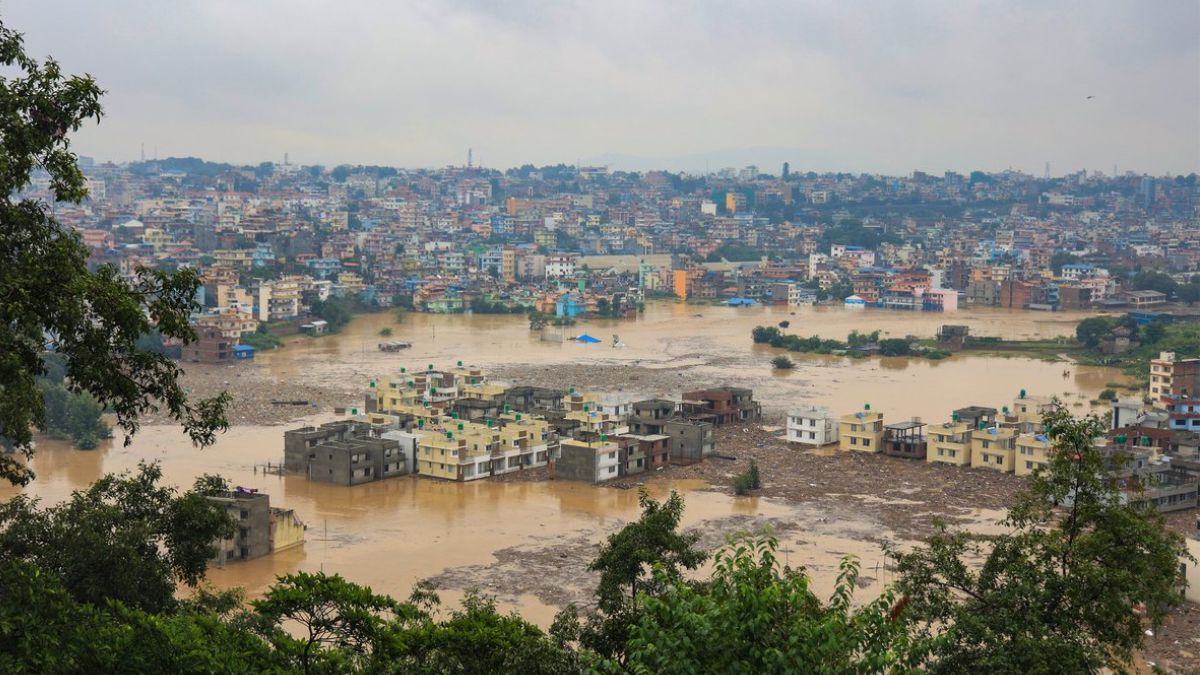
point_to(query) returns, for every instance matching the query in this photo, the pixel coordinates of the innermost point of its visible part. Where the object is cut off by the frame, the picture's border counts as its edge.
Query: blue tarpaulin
(587, 338)
(736, 302)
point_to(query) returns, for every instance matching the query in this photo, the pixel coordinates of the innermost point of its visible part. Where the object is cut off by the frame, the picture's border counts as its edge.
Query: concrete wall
(576, 463)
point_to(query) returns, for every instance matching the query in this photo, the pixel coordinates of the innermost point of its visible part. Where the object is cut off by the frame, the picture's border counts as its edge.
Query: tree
(125, 538)
(1092, 330)
(635, 563)
(758, 616)
(337, 311)
(1154, 331)
(44, 629)
(894, 347)
(340, 624)
(1061, 258)
(94, 318)
(1151, 280)
(782, 362)
(478, 639)
(1061, 590)
(1190, 292)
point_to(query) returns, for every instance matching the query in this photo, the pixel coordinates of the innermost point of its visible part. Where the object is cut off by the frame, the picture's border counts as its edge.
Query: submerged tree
(1067, 589)
(48, 295)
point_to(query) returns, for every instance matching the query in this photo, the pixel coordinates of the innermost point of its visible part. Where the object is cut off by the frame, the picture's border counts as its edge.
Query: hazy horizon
(865, 88)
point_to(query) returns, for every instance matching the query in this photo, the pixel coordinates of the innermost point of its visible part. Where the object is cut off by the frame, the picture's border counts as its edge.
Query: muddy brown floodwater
(529, 542)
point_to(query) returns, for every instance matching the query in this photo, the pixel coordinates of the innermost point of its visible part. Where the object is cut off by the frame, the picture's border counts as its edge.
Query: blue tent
(740, 302)
(587, 338)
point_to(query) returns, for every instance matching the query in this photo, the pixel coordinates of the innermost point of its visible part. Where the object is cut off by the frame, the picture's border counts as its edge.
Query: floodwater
(676, 347)
(391, 534)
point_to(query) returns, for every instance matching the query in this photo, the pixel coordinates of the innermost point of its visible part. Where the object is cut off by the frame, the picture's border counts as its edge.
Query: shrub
(1108, 395)
(749, 480)
(385, 332)
(782, 362)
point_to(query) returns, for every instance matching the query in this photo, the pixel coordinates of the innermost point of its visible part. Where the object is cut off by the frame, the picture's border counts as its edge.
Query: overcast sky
(856, 86)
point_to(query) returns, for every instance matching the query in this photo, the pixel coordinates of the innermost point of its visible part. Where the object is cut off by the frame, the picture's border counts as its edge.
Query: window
(812, 435)
(853, 440)
(244, 514)
(866, 442)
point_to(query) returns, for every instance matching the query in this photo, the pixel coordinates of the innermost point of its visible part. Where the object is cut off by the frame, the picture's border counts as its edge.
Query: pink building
(941, 300)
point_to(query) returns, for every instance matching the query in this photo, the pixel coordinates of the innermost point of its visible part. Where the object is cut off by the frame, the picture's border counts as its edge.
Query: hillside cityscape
(303, 416)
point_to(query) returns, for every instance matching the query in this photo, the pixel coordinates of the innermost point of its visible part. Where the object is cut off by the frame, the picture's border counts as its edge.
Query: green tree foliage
(322, 623)
(1061, 258)
(782, 362)
(478, 639)
(633, 563)
(125, 538)
(1150, 280)
(748, 480)
(94, 318)
(336, 310)
(1190, 292)
(1058, 591)
(43, 629)
(756, 615)
(1092, 330)
(894, 347)
(734, 252)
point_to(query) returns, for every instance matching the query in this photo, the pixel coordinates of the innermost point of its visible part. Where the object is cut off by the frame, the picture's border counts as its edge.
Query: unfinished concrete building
(721, 405)
(343, 453)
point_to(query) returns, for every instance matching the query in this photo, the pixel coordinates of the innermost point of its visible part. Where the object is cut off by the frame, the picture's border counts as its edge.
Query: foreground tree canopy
(48, 296)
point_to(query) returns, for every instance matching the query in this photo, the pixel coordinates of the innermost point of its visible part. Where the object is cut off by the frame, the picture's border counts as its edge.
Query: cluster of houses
(1154, 454)
(457, 424)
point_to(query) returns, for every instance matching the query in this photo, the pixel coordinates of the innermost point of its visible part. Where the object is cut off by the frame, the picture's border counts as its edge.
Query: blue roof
(741, 301)
(587, 338)
(243, 348)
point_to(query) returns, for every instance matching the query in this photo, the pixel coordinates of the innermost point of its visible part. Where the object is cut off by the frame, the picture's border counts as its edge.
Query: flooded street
(529, 542)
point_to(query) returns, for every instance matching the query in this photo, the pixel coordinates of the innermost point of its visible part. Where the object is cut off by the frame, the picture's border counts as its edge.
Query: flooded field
(529, 542)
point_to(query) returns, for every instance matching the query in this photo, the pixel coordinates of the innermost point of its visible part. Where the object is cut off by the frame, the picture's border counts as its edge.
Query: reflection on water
(391, 534)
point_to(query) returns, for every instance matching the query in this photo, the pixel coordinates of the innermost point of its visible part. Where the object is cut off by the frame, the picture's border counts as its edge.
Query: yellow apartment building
(1033, 452)
(1029, 409)
(861, 431)
(994, 448)
(950, 443)
(462, 453)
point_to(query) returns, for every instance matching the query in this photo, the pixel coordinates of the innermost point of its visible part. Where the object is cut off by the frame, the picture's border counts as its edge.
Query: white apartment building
(812, 425)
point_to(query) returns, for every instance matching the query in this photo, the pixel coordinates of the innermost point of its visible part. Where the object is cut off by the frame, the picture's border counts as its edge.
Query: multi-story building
(210, 346)
(812, 426)
(343, 453)
(721, 405)
(464, 452)
(906, 439)
(1033, 453)
(994, 448)
(1174, 377)
(279, 300)
(1028, 410)
(950, 443)
(590, 459)
(861, 431)
(251, 514)
(641, 453)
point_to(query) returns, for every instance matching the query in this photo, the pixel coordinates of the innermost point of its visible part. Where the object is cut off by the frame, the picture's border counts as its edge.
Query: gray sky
(858, 86)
